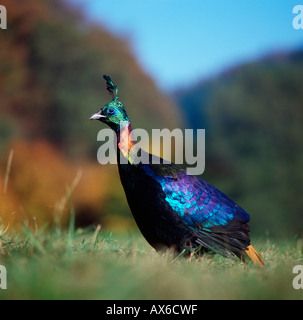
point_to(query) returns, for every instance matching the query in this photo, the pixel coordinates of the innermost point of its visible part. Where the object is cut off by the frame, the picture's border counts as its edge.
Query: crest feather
(111, 87)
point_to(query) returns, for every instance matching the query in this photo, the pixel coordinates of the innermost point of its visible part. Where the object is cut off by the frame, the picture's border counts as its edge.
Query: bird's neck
(125, 143)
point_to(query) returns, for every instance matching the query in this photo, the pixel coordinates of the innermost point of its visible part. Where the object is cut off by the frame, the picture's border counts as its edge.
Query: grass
(94, 264)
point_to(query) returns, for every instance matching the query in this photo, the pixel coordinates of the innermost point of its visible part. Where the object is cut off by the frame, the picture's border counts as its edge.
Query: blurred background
(232, 68)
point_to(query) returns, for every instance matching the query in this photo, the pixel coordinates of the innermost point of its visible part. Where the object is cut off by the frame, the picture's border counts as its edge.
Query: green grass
(89, 264)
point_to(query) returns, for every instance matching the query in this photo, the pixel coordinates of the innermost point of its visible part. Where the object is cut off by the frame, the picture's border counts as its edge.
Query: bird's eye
(111, 111)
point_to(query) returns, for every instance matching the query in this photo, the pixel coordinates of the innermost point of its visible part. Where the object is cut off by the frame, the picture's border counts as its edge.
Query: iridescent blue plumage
(198, 202)
(200, 205)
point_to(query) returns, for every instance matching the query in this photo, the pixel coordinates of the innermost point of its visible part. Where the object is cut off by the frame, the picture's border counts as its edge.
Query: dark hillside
(254, 120)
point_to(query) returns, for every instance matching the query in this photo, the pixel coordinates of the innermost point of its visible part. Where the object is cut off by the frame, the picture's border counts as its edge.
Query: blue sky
(180, 42)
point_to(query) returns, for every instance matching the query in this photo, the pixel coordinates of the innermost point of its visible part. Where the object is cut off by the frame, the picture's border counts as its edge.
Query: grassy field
(94, 264)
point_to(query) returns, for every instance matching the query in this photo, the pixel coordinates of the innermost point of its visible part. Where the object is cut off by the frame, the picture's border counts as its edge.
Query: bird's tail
(254, 256)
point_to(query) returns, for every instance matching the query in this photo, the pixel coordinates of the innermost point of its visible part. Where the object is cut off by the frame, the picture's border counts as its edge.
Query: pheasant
(171, 208)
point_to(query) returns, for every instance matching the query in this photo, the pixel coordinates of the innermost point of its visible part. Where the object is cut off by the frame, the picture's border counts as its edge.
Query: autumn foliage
(52, 62)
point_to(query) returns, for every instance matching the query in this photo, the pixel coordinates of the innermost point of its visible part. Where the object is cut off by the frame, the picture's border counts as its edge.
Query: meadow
(96, 264)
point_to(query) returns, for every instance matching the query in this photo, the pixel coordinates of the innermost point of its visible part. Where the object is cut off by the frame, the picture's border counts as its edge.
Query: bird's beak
(97, 116)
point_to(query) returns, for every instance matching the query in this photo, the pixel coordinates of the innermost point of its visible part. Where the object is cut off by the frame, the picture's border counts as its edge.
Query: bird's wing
(219, 223)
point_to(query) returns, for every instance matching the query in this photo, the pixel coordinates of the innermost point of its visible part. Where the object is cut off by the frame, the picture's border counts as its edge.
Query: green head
(113, 113)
